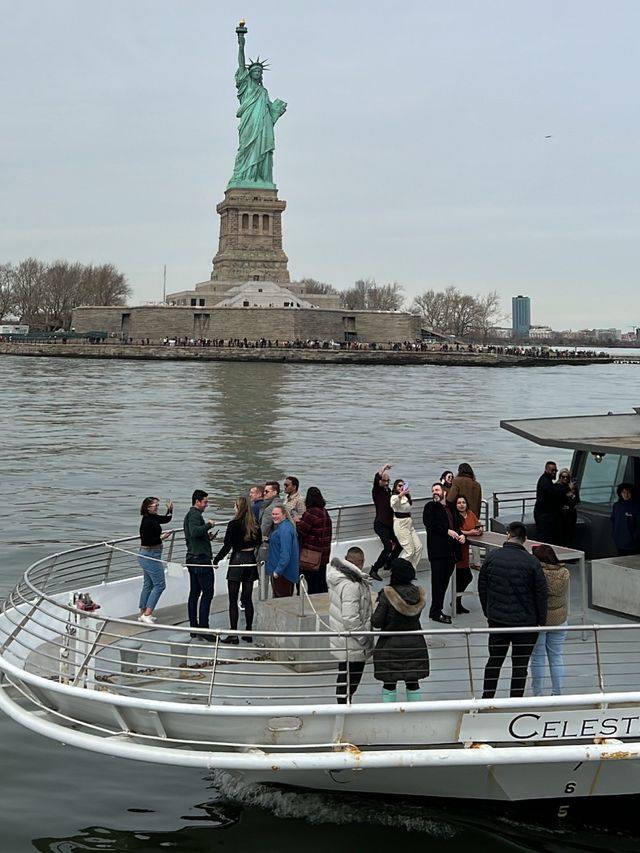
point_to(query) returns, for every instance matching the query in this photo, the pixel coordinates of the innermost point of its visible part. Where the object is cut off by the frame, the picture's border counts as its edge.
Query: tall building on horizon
(520, 316)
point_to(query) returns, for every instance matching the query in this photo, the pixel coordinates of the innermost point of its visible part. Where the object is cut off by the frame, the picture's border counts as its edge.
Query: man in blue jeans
(198, 560)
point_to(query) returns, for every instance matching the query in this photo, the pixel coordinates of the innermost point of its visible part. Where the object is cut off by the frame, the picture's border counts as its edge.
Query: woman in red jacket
(314, 530)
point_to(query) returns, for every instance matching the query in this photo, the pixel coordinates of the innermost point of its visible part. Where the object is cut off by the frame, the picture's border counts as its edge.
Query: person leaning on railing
(150, 555)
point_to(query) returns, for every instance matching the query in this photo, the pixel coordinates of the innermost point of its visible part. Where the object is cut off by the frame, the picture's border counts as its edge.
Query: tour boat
(77, 666)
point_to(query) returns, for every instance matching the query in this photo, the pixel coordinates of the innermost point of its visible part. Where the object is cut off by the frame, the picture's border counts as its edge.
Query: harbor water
(84, 441)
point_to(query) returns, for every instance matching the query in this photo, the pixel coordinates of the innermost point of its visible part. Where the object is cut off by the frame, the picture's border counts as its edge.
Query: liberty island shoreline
(302, 355)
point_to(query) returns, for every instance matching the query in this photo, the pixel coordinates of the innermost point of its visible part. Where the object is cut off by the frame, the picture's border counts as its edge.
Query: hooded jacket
(557, 577)
(349, 609)
(404, 656)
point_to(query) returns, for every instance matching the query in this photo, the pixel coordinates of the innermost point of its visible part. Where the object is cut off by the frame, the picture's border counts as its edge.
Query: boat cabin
(606, 452)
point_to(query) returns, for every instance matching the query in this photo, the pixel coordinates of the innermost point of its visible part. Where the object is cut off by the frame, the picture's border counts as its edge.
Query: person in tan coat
(465, 485)
(550, 644)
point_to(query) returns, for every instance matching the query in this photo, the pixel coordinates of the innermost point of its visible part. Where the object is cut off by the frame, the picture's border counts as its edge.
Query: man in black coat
(548, 507)
(442, 523)
(513, 593)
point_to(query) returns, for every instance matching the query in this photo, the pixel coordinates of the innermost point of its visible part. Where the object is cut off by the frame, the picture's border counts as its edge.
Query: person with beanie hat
(403, 656)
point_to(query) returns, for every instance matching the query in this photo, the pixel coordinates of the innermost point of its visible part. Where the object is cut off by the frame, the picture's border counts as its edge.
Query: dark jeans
(349, 678)
(441, 571)
(200, 590)
(522, 646)
(390, 548)
(233, 588)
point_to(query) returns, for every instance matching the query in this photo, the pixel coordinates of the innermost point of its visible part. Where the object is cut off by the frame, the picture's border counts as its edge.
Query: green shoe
(414, 696)
(389, 695)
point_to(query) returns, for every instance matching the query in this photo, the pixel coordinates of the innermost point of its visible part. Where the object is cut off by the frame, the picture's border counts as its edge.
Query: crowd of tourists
(291, 536)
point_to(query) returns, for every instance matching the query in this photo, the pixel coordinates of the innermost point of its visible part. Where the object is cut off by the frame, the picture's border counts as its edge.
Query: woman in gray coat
(400, 657)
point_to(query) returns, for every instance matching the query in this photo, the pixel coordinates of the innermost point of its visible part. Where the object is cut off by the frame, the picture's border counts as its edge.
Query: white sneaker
(149, 620)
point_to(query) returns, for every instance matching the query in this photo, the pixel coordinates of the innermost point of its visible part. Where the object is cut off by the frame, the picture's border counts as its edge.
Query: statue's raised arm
(256, 144)
(241, 31)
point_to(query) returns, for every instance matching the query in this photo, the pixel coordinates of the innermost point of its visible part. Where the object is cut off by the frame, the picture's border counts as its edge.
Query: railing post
(213, 669)
(107, 568)
(172, 540)
(496, 505)
(337, 530)
(303, 593)
(469, 666)
(598, 660)
(263, 581)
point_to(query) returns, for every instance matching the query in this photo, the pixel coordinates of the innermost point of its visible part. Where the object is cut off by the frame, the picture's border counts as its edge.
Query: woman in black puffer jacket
(400, 658)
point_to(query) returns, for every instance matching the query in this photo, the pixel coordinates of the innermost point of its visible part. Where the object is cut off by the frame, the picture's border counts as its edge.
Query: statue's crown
(260, 62)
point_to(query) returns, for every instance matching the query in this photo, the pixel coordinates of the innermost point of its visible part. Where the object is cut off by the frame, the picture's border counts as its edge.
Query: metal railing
(44, 634)
(516, 502)
(97, 672)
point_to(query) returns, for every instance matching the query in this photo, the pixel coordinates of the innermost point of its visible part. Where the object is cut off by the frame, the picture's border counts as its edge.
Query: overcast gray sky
(487, 144)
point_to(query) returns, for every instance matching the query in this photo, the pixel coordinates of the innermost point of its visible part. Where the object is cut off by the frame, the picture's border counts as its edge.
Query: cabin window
(600, 479)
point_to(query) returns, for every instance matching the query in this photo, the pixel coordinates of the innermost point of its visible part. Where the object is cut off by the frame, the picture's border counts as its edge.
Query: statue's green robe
(257, 114)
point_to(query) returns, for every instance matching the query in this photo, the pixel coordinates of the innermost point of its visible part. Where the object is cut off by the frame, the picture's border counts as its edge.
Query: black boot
(460, 608)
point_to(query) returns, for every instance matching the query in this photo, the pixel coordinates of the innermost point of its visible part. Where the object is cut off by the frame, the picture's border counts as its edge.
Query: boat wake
(327, 808)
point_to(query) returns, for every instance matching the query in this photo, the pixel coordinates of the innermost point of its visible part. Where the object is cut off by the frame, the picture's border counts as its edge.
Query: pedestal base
(250, 244)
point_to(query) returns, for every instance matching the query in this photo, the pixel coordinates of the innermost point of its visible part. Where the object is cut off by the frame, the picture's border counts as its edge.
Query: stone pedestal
(250, 244)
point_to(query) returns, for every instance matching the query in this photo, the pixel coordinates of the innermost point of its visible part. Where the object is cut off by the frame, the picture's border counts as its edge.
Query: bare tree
(366, 294)
(451, 312)
(104, 285)
(7, 297)
(320, 287)
(61, 294)
(44, 296)
(28, 291)
(488, 314)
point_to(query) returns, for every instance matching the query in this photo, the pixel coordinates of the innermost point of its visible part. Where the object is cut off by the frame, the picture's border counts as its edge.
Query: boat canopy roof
(608, 433)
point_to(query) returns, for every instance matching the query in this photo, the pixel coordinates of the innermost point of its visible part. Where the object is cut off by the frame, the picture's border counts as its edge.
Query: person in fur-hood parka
(403, 657)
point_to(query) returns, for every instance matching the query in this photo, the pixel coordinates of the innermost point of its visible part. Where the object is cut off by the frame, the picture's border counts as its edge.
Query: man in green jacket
(198, 560)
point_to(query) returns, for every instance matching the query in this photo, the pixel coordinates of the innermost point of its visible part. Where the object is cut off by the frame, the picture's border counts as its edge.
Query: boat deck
(297, 668)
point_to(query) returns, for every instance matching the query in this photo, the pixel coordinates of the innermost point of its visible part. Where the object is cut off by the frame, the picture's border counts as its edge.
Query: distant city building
(500, 332)
(541, 332)
(520, 316)
(607, 334)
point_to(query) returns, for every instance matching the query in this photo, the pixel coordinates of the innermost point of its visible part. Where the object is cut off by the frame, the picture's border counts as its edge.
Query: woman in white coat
(403, 528)
(349, 610)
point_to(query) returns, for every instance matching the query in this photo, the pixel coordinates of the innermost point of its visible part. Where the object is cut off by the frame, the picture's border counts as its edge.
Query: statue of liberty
(254, 161)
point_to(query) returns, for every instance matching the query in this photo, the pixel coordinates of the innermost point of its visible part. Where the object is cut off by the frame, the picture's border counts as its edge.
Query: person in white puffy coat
(349, 610)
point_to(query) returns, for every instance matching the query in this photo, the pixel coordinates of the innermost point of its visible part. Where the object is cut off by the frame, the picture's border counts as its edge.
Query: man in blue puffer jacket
(513, 593)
